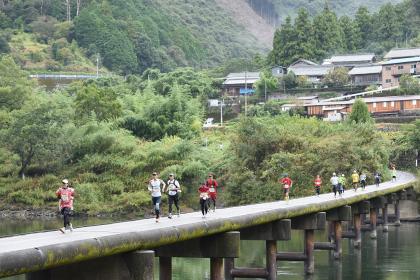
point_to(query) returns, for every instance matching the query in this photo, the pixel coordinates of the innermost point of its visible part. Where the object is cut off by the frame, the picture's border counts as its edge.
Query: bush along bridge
(127, 250)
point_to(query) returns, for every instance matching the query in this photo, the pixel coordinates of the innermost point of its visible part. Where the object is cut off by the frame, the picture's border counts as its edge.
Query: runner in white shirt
(173, 198)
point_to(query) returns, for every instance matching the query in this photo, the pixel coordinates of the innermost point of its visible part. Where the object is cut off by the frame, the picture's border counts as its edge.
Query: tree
(337, 77)
(282, 42)
(34, 131)
(363, 21)
(266, 83)
(360, 112)
(102, 102)
(303, 45)
(351, 33)
(289, 80)
(409, 84)
(328, 35)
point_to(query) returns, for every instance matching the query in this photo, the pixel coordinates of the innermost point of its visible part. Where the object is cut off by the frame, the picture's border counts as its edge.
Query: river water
(394, 255)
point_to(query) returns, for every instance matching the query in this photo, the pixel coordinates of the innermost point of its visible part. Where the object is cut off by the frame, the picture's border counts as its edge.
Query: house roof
(239, 78)
(402, 60)
(347, 58)
(311, 70)
(368, 100)
(363, 70)
(401, 53)
(303, 61)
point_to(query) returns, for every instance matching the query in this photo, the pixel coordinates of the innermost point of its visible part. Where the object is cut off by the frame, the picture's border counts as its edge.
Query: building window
(388, 81)
(388, 68)
(392, 103)
(385, 104)
(400, 67)
(374, 104)
(414, 102)
(413, 66)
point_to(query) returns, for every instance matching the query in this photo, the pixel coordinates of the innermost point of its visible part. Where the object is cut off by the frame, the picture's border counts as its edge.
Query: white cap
(334, 174)
(65, 181)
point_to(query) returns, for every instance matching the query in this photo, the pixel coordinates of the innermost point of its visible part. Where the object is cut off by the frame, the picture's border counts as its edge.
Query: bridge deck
(31, 252)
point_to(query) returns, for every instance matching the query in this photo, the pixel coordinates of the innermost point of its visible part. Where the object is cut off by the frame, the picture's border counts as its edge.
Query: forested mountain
(129, 36)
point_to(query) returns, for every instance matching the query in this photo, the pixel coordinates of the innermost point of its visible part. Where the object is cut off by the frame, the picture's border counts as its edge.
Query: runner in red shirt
(317, 183)
(203, 190)
(212, 184)
(66, 196)
(287, 184)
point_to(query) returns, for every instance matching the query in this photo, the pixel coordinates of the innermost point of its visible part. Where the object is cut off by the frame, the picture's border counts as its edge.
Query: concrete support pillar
(309, 263)
(216, 269)
(330, 229)
(229, 266)
(337, 235)
(385, 218)
(165, 268)
(373, 218)
(137, 265)
(397, 212)
(140, 264)
(357, 231)
(271, 259)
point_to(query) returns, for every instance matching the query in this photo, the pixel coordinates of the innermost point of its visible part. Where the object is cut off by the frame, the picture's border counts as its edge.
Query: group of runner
(208, 192)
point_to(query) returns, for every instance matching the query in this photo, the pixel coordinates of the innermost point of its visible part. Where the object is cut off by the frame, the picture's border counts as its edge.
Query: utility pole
(265, 90)
(97, 65)
(246, 93)
(221, 112)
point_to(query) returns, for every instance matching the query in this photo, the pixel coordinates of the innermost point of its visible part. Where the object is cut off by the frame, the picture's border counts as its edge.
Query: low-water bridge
(127, 250)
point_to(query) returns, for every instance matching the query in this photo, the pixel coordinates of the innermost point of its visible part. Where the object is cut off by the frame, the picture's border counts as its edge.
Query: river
(394, 255)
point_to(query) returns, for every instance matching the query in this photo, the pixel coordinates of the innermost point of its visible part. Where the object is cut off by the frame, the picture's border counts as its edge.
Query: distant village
(363, 69)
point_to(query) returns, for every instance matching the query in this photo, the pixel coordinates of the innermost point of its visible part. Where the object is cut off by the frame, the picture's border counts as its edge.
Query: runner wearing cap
(66, 196)
(154, 188)
(173, 189)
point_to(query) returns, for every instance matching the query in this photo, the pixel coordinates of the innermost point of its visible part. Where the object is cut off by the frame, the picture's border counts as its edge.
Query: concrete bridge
(126, 250)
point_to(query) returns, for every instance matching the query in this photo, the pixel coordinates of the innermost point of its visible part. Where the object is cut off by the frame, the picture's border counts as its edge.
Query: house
(278, 71)
(350, 60)
(236, 84)
(365, 75)
(393, 69)
(314, 73)
(376, 106)
(402, 53)
(302, 62)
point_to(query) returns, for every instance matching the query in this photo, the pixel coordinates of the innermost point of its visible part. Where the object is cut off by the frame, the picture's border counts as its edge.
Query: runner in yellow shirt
(355, 179)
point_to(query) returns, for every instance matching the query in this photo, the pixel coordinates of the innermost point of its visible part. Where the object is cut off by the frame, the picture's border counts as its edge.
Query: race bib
(65, 197)
(212, 190)
(286, 186)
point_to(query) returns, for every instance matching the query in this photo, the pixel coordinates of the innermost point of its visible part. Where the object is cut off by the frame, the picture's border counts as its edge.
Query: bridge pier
(137, 265)
(216, 247)
(335, 217)
(308, 223)
(271, 233)
(358, 210)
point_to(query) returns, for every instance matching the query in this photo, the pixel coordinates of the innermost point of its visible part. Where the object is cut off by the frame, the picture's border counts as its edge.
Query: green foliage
(360, 112)
(409, 84)
(337, 77)
(267, 147)
(266, 84)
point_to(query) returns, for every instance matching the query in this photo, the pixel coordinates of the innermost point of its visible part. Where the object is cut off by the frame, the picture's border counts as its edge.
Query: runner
(212, 184)
(377, 176)
(355, 180)
(343, 182)
(287, 184)
(203, 190)
(155, 189)
(394, 173)
(66, 196)
(317, 184)
(173, 198)
(363, 180)
(334, 183)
